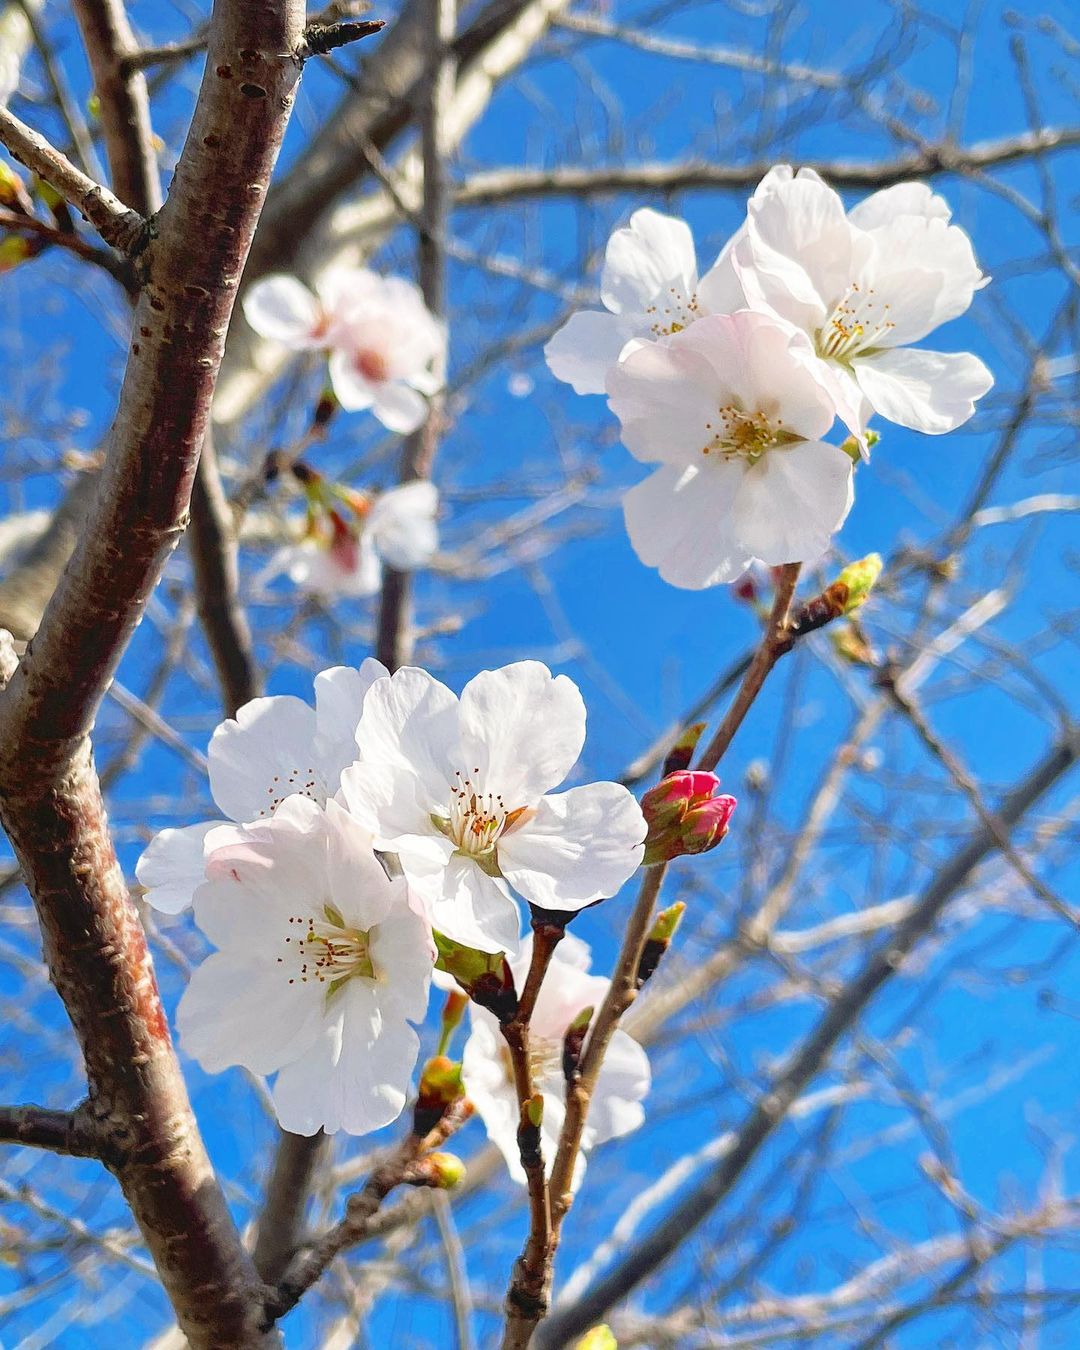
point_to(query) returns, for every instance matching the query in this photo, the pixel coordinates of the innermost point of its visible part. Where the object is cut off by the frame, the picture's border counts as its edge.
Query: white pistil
(857, 324)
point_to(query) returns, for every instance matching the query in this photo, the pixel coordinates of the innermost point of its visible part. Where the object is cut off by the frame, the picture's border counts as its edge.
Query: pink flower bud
(706, 825)
(685, 815)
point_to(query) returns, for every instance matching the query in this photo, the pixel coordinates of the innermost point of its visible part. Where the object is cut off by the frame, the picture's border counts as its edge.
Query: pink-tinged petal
(262, 756)
(522, 730)
(578, 846)
(353, 390)
(475, 909)
(411, 721)
(238, 1010)
(399, 407)
(282, 308)
(586, 347)
(666, 395)
(654, 253)
(933, 392)
(682, 522)
(791, 502)
(173, 866)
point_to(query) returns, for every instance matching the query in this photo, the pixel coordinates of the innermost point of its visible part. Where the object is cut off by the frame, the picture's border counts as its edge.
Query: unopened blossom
(568, 990)
(650, 289)
(322, 965)
(274, 748)
(382, 339)
(348, 535)
(686, 814)
(461, 791)
(864, 285)
(734, 410)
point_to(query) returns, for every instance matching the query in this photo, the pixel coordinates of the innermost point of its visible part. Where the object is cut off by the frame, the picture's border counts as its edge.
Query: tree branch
(125, 229)
(49, 795)
(491, 186)
(75, 1133)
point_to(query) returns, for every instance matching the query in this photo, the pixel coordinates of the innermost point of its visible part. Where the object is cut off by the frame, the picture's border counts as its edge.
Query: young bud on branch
(685, 815)
(659, 940)
(441, 1171)
(440, 1086)
(599, 1338)
(845, 595)
(574, 1043)
(682, 752)
(485, 976)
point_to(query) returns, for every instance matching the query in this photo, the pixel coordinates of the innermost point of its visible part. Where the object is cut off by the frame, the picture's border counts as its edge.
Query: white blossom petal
(791, 502)
(173, 867)
(352, 389)
(624, 1079)
(355, 1077)
(522, 730)
(586, 347)
(475, 909)
(282, 308)
(401, 525)
(653, 253)
(263, 755)
(933, 392)
(902, 199)
(666, 395)
(682, 521)
(339, 702)
(398, 406)
(411, 721)
(579, 846)
(238, 1010)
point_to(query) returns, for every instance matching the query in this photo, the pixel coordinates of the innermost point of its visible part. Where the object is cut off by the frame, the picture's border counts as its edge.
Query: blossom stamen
(673, 317)
(296, 783)
(738, 432)
(327, 950)
(857, 324)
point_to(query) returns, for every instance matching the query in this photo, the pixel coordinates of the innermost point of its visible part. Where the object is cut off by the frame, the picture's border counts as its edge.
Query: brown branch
(281, 1220)
(49, 794)
(406, 1165)
(773, 646)
(393, 637)
(492, 186)
(123, 102)
(75, 1133)
(14, 222)
(125, 229)
(883, 964)
(526, 1296)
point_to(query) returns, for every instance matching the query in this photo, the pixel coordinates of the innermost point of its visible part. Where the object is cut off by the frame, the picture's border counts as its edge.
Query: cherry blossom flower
(274, 748)
(733, 409)
(864, 285)
(322, 964)
(348, 535)
(461, 791)
(381, 337)
(568, 989)
(650, 289)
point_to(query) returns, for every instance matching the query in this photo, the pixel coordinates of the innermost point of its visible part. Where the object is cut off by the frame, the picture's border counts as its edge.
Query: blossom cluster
(731, 381)
(324, 953)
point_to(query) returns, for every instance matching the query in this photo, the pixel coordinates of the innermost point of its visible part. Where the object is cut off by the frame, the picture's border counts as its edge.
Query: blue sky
(643, 651)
